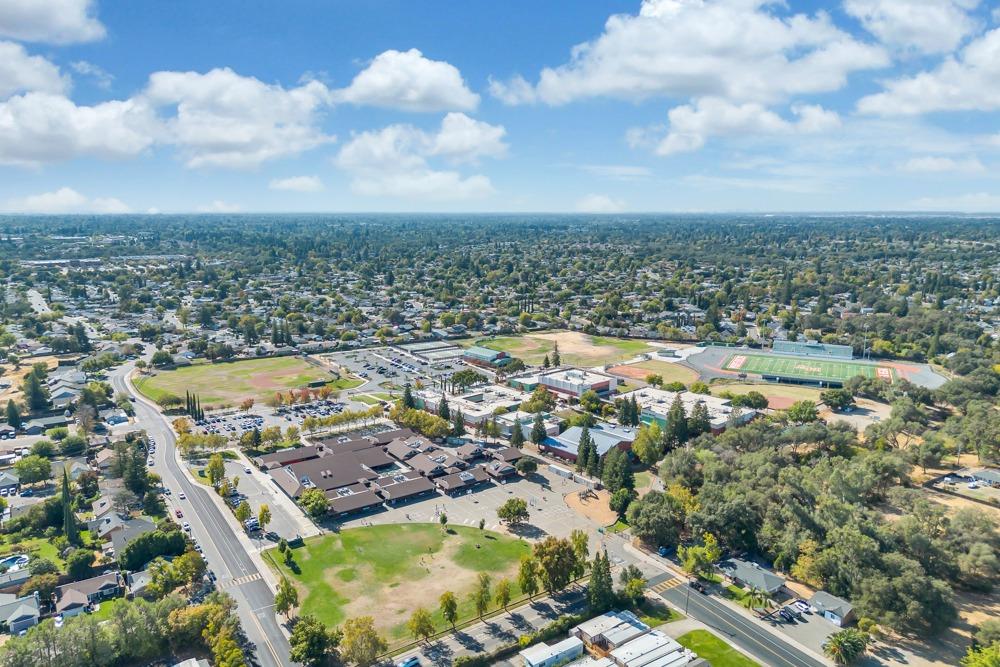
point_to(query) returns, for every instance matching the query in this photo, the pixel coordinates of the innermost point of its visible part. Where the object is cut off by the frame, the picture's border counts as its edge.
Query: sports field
(388, 571)
(229, 383)
(575, 348)
(807, 368)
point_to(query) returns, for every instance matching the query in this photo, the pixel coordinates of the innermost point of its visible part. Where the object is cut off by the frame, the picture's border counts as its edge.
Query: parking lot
(383, 365)
(257, 489)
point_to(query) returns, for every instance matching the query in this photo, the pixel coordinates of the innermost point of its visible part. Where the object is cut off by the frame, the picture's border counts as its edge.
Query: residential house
(19, 613)
(9, 481)
(834, 609)
(752, 575)
(74, 598)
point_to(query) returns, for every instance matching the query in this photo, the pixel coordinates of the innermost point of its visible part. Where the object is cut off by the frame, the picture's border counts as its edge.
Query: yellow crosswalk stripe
(666, 585)
(239, 581)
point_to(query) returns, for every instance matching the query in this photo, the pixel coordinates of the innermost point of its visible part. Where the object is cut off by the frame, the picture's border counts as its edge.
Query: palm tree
(757, 598)
(845, 646)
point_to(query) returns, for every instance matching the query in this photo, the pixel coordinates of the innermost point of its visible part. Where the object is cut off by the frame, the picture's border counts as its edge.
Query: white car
(186, 526)
(59, 620)
(246, 470)
(182, 496)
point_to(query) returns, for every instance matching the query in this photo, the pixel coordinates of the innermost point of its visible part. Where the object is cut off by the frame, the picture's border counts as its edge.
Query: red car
(179, 513)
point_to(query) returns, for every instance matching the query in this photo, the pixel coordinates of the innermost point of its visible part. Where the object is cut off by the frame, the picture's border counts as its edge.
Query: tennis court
(806, 368)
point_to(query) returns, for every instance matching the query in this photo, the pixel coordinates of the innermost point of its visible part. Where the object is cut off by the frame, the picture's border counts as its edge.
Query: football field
(806, 368)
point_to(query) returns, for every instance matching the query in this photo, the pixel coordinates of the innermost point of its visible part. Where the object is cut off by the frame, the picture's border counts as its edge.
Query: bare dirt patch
(595, 509)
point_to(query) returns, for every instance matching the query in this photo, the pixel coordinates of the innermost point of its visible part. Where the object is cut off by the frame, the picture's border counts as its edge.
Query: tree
(43, 584)
(314, 502)
(361, 643)
(845, 646)
(982, 656)
(837, 399)
(700, 559)
(538, 433)
(581, 550)
(481, 594)
(517, 435)
(513, 511)
(69, 518)
(264, 516)
(590, 401)
(527, 576)
(79, 563)
(216, 469)
(286, 597)
(13, 414)
(33, 468)
(443, 520)
(556, 359)
(600, 590)
(656, 518)
(648, 444)
(556, 562)
(243, 511)
(73, 445)
(408, 402)
(620, 501)
(449, 607)
(802, 412)
(526, 465)
(311, 643)
(36, 395)
(457, 423)
(420, 624)
(616, 471)
(502, 593)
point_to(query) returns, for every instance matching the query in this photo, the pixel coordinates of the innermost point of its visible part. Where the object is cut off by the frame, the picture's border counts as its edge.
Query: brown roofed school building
(351, 499)
(464, 481)
(401, 487)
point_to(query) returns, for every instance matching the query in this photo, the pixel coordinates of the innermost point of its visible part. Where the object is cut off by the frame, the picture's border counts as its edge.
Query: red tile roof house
(74, 598)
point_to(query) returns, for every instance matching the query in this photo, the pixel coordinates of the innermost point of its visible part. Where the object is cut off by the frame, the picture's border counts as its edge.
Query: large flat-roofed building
(545, 655)
(812, 349)
(477, 405)
(484, 356)
(619, 639)
(654, 406)
(574, 382)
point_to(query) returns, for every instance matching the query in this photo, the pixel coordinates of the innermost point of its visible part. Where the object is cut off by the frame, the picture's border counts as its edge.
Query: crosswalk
(663, 586)
(233, 583)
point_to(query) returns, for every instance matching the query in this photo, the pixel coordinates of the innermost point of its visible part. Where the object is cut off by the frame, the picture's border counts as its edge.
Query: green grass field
(575, 348)
(713, 649)
(388, 571)
(229, 383)
(807, 368)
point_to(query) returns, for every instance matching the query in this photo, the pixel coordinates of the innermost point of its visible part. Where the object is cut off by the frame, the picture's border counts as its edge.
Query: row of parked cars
(231, 425)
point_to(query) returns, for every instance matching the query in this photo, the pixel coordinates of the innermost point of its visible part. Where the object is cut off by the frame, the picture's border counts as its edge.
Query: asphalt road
(237, 574)
(734, 626)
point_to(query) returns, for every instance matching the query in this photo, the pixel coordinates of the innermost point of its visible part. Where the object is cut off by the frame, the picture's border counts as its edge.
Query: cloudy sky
(521, 105)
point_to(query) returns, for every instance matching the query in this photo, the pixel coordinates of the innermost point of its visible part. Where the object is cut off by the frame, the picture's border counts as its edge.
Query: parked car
(412, 661)
(186, 526)
(698, 586)
(178, 512)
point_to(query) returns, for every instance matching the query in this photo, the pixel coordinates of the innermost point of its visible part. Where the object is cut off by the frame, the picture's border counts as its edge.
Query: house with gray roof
(836, 610)
(752, 575)
(18, 613)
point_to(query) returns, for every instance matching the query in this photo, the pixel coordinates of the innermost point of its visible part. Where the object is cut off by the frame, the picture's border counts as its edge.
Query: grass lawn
(643, 478)
(575, 348)
(366, 399)
(656, 613)
(343, 383)
(107, 608)
(618, 526)
(388, 571)
(713, 649)
(229, 383)
(33, 546)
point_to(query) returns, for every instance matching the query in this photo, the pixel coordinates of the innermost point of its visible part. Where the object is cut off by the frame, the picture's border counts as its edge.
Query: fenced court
(806, 368)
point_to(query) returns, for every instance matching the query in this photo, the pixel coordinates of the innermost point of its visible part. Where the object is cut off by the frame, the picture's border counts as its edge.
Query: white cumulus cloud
(66, 200)
(102, 78)
(596, 203)
(38, 128)
(395, 161)
(52, 21)
(408, 81)
(741, 50)
(297, 184)
(973, 202)
(966, 81)
(691, 125)
(923, 26)
(222, 119)
(20, 72)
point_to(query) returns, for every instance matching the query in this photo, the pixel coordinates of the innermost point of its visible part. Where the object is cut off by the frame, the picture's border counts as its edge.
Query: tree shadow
(468, 642)
(527, 530)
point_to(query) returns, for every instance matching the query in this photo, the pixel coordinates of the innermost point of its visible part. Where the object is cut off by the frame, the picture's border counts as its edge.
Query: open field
(231, 382)
(670, 372)
(779, 396)
(575, 348)
(15, 376)
(805, 368)
(387, 571)
(713, 649)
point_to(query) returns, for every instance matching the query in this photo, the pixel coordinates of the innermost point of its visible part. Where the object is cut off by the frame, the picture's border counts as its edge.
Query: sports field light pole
(864, 346)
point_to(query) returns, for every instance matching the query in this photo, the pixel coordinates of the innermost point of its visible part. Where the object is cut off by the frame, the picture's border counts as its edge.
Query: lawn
(231, 382)
(107, 608)
(387, 571)
(713, 649)
(575, 348)
(654, 613)
(33, 546)
(808, 368)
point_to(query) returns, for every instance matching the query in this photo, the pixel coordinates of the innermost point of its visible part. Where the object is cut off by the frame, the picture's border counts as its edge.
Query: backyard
(231, 382)
(388, 571)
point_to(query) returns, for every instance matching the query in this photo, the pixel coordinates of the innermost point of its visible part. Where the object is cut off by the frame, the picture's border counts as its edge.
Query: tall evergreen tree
(443, 412)
(69, 521)
(13, 414)
(556, 359)
(676, 432)
(600, 590)
(517, 435)
(458, 423)
(408, 403)
(538, 429)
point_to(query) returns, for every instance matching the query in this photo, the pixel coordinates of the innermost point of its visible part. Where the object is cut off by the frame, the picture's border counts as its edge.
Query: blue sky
(378, 105)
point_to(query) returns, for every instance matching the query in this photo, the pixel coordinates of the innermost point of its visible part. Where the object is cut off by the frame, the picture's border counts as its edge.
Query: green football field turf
(805, 367)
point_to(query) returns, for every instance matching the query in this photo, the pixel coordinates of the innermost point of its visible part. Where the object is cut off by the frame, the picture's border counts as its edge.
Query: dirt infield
(670, 372)
(575, 348)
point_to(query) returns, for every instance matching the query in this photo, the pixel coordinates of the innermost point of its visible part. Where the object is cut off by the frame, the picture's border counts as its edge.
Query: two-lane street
(237, 574)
